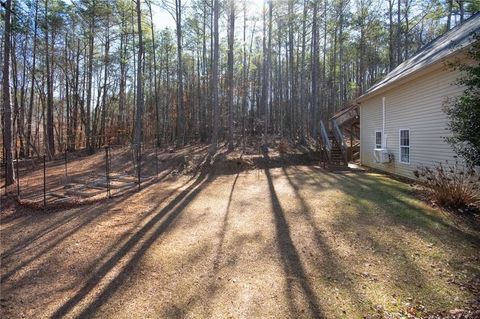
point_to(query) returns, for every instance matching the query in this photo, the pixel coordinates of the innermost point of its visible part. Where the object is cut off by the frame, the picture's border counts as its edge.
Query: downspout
(360, 128)
(384, 146)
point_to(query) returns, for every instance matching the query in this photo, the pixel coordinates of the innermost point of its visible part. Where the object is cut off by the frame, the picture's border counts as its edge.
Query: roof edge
(435, 65)
(395, 76)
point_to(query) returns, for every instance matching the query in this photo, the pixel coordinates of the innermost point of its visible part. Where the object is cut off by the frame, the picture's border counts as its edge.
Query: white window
(405, 146)
(378, 139)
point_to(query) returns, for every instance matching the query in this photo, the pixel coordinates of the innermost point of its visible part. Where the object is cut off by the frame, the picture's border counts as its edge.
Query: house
(402, 122)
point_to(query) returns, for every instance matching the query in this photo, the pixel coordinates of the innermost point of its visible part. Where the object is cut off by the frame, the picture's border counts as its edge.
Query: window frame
(381, 139)
(400, 146)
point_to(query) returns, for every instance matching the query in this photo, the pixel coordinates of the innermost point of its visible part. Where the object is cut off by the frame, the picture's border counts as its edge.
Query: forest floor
(271, 241)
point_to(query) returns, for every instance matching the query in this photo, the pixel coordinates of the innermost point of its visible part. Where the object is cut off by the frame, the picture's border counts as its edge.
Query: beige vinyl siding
(416, 105)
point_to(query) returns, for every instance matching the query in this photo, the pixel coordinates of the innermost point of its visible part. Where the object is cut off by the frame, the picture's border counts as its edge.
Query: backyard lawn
(297, 241)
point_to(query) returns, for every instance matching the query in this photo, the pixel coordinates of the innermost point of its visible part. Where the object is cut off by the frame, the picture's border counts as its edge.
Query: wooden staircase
(336, 156)
(345, 124)
(332, 153)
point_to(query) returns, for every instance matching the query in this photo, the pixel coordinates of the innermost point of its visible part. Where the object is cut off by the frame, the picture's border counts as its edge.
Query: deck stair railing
(325, 141)
(338, 134)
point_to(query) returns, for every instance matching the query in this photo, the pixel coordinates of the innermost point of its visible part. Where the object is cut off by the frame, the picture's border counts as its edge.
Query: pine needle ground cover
(296, 241)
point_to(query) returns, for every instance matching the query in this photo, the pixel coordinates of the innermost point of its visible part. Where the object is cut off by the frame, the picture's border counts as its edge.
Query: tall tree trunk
(231, 37)
(123, 83)
(280, 98)
(50, 132)
(67, 95)
(181, 113)
(32, 85)
(203, 116)
(167, 90)
(324, 113)
(139, 111)
(407, 26)
(449, 16)
(216, 57)
(21, 117)
(14, 83)
(244, 76)
(303, 102)
(333, 77)
(341, 74)
(74, 122)
(7, 108)
(391, 54)
(361, 59)
(461, 4)
(315, 61)
(88, 132)
(268, 77)
(264, 95)
(155, 82)
(399, 32)
(292, 97)
(103, 136)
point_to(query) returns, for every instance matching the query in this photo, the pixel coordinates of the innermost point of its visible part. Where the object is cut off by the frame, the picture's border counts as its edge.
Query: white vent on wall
(381, 155)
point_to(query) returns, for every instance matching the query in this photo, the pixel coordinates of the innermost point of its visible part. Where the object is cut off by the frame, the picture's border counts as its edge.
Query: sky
(162, 19)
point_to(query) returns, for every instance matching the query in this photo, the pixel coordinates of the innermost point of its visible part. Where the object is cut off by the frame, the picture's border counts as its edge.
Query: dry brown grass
(451, 185)
(296, 242)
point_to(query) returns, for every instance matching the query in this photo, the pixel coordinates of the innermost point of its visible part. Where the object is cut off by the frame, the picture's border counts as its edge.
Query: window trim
(381, 139)
(404, 146)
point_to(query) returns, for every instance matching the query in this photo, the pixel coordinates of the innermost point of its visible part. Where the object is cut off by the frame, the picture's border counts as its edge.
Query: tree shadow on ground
(294, 272)
(224, 229)
(137, 245)
(43, 248)
(369, 192)
(363, 192)
(63, 219)
(378, 217)
(329, 266)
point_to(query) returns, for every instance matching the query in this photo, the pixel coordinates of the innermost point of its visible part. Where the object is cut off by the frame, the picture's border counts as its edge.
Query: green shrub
(464, 110)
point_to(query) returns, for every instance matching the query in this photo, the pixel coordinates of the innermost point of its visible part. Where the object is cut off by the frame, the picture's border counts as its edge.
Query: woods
(80, 74)
(240, 159)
